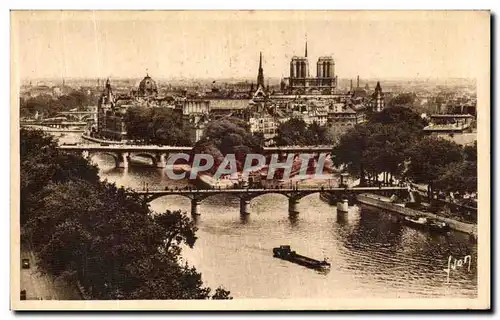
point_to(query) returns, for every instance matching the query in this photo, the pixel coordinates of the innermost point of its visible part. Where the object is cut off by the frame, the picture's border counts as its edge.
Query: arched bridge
(79, 115)
(122, 153)
(246, 195)
(159, 154)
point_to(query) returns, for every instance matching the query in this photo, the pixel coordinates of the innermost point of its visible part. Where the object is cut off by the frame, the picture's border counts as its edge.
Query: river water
(371, 254)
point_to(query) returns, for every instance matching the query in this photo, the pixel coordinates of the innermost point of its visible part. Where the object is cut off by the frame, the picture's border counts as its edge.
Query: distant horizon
(249, 79)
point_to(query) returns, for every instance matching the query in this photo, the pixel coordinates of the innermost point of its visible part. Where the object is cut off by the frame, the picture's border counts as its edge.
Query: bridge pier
(244, 203)
(123, 160)
(195, 207)
(161, 160)
(343, 205)
(292, 206)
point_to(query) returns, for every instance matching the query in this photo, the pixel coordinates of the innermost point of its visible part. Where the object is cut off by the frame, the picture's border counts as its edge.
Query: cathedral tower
(260, 77)
(378, 98)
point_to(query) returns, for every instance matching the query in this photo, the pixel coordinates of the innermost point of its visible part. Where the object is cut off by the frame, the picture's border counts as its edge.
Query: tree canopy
(228, 136)
(157, 126)
(399, 115)
(102, 236)
(403, 99)
(48, 105)
(297, 132)
(394, 143)
(429, 156)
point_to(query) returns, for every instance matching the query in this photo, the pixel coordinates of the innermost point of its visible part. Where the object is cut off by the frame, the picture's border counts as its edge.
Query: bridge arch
(115, 156)
(86, 117)
(144, 154)
(154, 197)
(302, 195)
(253, 196)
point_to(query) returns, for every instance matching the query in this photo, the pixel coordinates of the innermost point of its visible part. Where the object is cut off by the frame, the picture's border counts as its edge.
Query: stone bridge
(159, 155)
(122, 153)
(79, 115)
(246, 195)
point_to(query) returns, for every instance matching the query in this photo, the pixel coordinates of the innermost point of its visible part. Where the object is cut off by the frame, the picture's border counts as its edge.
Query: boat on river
(426, 223)
(284, 252)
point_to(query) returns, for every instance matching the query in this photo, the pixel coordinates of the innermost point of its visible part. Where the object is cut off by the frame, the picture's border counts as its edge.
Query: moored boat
(284, 252)
(427, 223)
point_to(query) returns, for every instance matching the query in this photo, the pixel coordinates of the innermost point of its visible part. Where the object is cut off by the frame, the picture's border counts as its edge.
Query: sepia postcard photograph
(250, 160)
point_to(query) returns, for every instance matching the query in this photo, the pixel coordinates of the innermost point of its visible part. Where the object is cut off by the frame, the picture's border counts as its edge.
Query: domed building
(147, 87)
(112, 109)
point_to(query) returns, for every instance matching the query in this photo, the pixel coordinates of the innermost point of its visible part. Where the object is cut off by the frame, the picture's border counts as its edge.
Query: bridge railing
(280, 188)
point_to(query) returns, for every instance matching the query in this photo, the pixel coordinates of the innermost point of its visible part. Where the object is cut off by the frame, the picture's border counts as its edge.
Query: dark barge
(425, 223)
(285, 253)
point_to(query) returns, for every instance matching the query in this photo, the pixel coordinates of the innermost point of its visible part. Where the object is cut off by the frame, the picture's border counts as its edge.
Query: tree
(470, 152)
(41, 164)
(458, 177)
(105, 237)
(399, 115)
(292, 132)
(403, 99)
(334, 133)
(351, 148)
(157, 126)
(297, 132)
(113, 244)
(177, 228)
(428, 158)
(49, 106)
(228, 136)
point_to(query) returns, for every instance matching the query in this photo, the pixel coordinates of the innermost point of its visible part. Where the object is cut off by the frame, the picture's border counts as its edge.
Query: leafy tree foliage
(428, 158)
(105, 237)
(42, 163)
(379, 146)
(458, 177)
(48, 105)
(228, 136)
(157, 126)
(403, 99)
(392, 142)
(351, 149)
(470, 152)
(399, 115)
(296, 132)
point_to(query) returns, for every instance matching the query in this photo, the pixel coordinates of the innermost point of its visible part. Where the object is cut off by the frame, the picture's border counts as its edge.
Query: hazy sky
(209, 44)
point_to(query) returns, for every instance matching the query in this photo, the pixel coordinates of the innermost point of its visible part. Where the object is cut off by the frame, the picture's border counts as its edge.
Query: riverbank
(384, 203)
(56, 130)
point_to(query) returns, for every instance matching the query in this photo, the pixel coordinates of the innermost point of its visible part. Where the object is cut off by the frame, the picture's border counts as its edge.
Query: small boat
(427, 223)
(284, 252)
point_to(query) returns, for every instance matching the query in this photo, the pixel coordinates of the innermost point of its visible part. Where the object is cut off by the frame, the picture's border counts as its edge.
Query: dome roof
(147, 86)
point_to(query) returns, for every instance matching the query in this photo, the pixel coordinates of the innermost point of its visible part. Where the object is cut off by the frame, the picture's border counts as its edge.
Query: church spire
(260, 77)
(306, 49)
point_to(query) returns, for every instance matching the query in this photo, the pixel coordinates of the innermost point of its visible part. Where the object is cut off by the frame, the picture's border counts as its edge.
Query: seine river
(371, 254)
